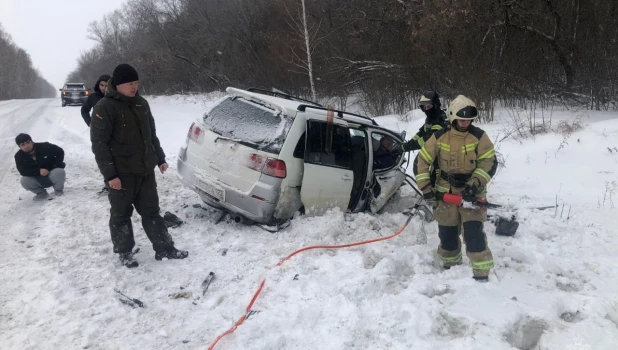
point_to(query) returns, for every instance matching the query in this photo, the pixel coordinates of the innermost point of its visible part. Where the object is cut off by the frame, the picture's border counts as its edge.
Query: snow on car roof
(289, 107)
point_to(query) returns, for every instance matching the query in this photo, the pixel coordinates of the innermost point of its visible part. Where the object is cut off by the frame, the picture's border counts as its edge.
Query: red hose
(257, 293)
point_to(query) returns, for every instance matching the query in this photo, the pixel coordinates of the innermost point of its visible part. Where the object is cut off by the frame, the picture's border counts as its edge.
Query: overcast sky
(53, 32)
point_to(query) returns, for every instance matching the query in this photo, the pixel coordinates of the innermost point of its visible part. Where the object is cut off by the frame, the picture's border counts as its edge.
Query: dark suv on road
(74, 93)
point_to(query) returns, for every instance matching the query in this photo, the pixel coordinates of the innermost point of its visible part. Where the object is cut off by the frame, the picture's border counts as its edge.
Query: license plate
(212, 191)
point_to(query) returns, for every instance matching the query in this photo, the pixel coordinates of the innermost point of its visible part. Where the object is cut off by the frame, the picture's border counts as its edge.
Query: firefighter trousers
(452, 220)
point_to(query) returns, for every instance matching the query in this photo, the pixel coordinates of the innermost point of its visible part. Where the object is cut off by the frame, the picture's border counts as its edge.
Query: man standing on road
(41, 164)
(126, 148)
(99, 92)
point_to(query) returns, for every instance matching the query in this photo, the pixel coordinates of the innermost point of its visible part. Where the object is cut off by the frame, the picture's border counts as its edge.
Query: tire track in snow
(9, 110)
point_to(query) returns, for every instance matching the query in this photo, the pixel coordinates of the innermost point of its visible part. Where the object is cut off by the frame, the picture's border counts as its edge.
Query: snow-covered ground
(555, 284)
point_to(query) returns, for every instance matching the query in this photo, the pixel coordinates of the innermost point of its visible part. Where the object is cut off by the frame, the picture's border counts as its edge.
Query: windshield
(76, 87)
(249, 123)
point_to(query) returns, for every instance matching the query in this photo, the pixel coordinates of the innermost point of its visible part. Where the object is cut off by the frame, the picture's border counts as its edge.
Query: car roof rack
(282, 95)
(340, 114)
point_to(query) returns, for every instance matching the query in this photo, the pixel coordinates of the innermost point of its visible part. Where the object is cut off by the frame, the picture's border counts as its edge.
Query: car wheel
(64, 104)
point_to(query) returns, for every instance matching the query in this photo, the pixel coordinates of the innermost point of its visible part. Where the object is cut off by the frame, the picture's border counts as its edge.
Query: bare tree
(307, 35)
(385, 53)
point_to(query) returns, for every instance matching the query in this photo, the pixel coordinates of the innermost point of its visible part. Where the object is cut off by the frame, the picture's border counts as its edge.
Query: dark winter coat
(93, 99)
(48, 156)
(123, 135)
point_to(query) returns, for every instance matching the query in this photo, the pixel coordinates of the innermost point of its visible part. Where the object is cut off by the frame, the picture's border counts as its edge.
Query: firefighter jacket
(460, 158)
(431, 125)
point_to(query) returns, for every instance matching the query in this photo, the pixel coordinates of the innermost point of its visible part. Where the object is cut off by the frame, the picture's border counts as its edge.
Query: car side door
(327, 176)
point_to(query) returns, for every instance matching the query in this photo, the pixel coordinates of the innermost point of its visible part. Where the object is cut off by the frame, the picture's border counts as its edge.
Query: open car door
(328, 177)
(386, 169)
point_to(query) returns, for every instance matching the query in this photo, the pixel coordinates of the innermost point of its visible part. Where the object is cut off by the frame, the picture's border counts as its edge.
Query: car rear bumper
(74, 99)
(235, 201)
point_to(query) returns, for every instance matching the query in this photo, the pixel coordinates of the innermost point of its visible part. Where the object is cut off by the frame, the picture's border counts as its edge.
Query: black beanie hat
(21, 138)
(124, 73)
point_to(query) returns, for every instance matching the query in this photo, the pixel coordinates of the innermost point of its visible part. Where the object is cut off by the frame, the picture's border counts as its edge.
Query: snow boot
(41, 196)
(127, 260)
(171, 253)
(481, 278)
(58, 193)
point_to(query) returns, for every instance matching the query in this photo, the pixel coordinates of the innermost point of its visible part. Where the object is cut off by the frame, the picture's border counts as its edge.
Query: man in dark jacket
(99, 92)
(41, 164)
(126, 148)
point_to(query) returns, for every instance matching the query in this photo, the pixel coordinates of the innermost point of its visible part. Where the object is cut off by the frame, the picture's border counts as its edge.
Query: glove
(431, 200)
(399, 149)
(469, 191)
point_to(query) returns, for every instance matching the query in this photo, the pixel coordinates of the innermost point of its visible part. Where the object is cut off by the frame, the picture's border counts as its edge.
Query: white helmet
(462, 108)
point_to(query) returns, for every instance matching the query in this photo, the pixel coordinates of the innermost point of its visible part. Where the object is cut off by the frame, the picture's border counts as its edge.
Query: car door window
(299, 150)
(382, 147)
(328, 145)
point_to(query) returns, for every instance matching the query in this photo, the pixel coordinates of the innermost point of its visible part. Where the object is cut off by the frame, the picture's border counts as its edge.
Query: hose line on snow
(263, 282)
(413, 187)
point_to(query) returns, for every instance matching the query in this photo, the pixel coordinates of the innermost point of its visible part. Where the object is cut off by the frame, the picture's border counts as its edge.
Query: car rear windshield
(249, 123)
(76, 87)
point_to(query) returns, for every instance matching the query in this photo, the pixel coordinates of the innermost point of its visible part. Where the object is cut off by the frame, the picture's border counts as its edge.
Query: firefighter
(435, 120)
(465, 158)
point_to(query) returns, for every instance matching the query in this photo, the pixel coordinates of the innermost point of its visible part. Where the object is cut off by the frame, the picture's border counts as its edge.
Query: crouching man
(41, 165)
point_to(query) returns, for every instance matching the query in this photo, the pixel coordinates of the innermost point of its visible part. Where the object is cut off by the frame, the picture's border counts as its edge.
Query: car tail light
(274, 167)
(267, 166)
(196, 133)
(255, 162)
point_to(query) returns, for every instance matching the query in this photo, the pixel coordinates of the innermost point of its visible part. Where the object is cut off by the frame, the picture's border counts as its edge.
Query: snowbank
(555, 283)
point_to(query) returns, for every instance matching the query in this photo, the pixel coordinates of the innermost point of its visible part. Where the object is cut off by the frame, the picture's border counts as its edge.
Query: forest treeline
(18, 77)
(383, 52)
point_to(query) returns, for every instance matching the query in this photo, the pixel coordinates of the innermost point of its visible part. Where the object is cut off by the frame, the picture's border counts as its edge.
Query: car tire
(64, 104)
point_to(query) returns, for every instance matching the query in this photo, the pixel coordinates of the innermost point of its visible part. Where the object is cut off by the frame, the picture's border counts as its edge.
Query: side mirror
(60, 89)
(403, 135)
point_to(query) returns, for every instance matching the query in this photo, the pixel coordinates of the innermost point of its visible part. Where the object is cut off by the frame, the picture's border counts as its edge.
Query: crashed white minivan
(262, 156)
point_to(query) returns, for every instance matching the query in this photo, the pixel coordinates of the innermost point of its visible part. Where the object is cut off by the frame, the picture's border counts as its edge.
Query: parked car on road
(74, 93)
(262, 156)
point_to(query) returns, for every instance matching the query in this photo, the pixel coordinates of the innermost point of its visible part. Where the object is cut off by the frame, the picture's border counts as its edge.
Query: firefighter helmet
(429, 98)
(462, 108)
